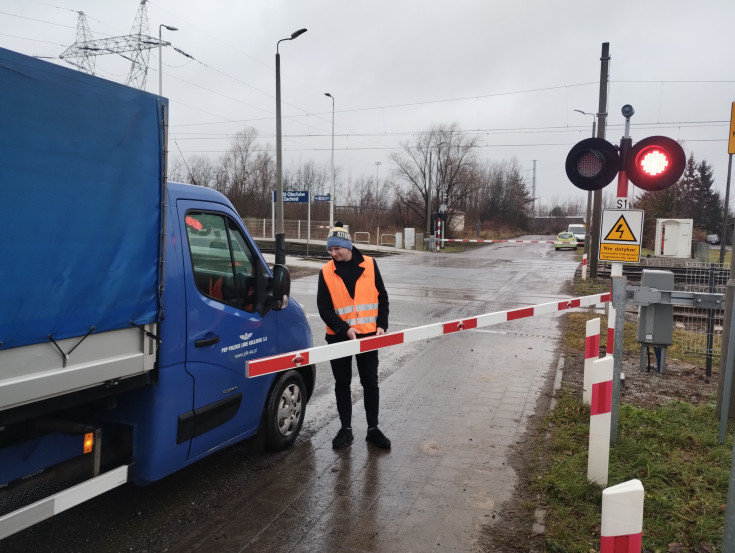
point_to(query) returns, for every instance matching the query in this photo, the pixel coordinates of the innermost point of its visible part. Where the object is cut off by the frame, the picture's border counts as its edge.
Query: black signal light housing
(592, 164)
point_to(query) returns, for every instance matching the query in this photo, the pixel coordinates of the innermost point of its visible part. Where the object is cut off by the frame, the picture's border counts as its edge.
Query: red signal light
(655, 163)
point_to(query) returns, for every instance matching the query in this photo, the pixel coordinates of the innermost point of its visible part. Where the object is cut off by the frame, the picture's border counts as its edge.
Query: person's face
(339, 253)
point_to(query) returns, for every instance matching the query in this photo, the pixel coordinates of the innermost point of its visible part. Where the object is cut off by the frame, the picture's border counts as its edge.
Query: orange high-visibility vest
(361, 313)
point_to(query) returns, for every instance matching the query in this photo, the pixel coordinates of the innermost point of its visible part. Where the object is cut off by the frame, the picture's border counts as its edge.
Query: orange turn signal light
(88, 442)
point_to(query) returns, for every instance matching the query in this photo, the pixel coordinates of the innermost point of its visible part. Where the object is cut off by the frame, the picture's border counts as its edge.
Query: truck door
(223, 331)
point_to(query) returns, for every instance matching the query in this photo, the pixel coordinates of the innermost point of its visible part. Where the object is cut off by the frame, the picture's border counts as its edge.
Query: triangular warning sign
(621, 231)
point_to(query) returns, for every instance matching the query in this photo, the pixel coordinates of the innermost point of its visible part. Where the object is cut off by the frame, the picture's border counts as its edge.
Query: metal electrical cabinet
(656, 320)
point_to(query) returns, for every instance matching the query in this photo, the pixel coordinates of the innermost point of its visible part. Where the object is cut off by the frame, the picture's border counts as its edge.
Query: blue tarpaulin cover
(80, 202)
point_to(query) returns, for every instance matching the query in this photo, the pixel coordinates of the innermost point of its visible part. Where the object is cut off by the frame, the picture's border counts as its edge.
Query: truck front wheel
(284, 411)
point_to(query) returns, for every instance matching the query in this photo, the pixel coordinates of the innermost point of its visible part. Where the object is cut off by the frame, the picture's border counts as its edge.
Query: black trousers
(367, 367)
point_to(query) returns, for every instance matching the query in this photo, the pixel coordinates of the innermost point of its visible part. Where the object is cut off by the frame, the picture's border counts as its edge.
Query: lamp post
(280, 237)
(588, 236)
(160, 58)
(332, 195)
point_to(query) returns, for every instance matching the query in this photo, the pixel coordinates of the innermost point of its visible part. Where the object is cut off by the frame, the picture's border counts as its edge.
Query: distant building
(554, 225)
(456, 220)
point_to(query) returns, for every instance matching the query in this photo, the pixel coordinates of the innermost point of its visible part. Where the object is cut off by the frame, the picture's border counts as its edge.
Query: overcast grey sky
(510, 72)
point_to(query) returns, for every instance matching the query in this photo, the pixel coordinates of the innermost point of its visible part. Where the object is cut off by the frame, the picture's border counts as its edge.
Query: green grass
(672, 449)
(714, 257)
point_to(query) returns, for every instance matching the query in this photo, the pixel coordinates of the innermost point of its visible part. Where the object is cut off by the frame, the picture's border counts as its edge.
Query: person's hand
(352, 334)
(379, 331)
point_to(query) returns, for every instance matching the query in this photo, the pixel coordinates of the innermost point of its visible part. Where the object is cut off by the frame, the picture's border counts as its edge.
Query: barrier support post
(619, 297)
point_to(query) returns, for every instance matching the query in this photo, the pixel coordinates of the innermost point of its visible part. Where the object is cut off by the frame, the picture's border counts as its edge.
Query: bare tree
(436, 167)
(237, 167)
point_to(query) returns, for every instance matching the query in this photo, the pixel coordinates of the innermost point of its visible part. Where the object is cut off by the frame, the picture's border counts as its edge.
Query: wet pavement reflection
(453, 412)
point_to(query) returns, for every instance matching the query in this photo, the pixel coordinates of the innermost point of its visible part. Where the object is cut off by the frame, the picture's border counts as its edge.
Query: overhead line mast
(134, 47)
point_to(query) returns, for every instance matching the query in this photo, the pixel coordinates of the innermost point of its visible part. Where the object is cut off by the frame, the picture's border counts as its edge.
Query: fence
(703, 327)
(298, 229)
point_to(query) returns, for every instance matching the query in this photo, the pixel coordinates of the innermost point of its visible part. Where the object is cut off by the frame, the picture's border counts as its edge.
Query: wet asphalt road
(423, 289)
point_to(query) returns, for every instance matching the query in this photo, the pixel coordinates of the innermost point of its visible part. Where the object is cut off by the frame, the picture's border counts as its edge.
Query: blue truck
(129, 305)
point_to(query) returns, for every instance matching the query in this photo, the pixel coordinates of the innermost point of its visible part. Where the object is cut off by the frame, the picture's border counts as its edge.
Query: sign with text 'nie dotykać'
(620, 235)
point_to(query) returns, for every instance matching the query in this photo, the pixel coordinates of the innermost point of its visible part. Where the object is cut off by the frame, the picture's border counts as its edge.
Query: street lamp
(331, 196)
(588, 237)
(160, 58)
(280, 237)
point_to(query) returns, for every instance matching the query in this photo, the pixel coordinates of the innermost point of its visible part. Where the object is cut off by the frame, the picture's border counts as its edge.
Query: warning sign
(620, 252)
(621, 231)
(620, 235)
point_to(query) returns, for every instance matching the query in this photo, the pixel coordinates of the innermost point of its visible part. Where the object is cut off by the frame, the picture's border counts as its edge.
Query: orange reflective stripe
(361, 313)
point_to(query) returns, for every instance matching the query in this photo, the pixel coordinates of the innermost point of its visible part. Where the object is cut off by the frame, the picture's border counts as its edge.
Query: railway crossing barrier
(298, 358)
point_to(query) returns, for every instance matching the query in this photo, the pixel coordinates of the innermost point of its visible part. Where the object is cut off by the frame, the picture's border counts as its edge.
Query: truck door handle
(206, 342)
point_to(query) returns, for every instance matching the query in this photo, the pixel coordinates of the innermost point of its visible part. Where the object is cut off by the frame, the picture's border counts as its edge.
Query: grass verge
(672, 448)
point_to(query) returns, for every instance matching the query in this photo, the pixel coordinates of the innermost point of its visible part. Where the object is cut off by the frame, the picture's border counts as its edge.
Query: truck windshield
(577, 229)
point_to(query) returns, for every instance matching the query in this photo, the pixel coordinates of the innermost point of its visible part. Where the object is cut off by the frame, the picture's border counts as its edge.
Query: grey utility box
(656, 321)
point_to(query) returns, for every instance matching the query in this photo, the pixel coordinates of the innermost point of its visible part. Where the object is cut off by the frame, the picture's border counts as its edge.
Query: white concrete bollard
(591, 352)
(584, 266)
(622, 518)
(598, 457)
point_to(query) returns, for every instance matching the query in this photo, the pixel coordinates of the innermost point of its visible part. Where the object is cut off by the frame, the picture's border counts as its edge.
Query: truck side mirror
(280, 287)
(272, 291)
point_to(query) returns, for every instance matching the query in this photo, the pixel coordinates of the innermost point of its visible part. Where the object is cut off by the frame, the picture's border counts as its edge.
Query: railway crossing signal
(654, 163)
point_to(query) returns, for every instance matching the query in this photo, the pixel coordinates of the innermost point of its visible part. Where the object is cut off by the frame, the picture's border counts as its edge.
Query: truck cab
(222, 307)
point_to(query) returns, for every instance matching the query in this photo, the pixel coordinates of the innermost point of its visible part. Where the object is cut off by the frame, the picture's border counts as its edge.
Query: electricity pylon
(134, 47)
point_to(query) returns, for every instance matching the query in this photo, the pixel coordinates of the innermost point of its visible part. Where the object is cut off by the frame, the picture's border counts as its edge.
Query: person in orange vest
(353, 303)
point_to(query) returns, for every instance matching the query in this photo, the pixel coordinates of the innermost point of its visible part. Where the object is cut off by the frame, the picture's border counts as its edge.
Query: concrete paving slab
(439, 487)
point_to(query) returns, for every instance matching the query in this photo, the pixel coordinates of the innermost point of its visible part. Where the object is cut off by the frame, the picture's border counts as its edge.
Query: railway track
(716, 276)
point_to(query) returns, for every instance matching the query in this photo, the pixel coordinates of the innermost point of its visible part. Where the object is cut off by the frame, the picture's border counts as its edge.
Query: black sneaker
(343, 437)
(376, 437)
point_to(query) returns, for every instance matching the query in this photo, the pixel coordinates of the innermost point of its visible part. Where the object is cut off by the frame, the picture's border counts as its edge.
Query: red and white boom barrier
(293, 359)
(496, 241)
(622, 518)
(591, 353)
(598, 458)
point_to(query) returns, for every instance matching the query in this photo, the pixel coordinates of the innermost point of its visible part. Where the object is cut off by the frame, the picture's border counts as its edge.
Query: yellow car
(565, 240)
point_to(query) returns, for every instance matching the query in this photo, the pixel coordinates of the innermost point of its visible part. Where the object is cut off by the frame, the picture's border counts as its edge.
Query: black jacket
(349, 272)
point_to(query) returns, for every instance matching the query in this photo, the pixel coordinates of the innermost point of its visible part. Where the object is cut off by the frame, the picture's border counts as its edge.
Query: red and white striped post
(598, 458)
(622, 518)
(591, 353)
(584, 266)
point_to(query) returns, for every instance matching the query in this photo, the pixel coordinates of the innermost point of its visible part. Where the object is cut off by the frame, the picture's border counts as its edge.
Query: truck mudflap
(53, 505)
